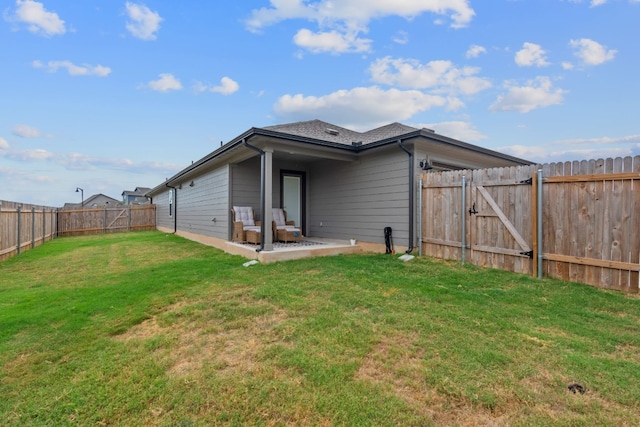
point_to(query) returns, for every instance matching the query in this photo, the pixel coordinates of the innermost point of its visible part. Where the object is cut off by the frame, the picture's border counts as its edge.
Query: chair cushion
(278, 217)
(287, 227)
(251, 228)
(244, 214)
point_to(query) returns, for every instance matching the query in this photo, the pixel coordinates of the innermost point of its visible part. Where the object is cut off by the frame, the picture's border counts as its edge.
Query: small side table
(289, 235)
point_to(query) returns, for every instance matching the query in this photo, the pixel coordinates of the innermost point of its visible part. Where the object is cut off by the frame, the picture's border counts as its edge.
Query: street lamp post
(81, 191)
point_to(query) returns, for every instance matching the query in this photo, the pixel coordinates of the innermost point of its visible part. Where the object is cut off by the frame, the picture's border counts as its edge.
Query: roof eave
(445, 140)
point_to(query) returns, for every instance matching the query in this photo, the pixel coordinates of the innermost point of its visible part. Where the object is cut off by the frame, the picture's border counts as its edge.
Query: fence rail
(579, 222)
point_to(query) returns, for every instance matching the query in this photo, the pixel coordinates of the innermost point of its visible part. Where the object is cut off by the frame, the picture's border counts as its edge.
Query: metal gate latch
(472, 210)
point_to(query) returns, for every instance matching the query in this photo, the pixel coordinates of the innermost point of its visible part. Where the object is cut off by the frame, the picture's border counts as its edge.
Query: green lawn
(151, 329)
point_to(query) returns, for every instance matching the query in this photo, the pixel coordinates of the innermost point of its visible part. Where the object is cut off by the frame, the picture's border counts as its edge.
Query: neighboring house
(334, 182)
(135, 197)
(96, 201)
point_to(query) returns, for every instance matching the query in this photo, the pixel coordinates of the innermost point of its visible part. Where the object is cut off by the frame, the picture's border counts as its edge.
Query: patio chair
(283, 230)
(245, 227)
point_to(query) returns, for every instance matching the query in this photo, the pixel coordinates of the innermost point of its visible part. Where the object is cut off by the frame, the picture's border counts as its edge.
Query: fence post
(33, 227)
(463, 241)
(129, 217)
(19, 227)
(104, 223)
(539, 226)
(44, 225)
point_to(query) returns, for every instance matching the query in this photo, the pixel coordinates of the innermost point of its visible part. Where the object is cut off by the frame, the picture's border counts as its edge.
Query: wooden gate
(498, 235)
(492, 219)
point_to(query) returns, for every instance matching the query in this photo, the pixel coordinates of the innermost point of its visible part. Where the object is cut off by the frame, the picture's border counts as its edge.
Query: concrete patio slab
(306, 248)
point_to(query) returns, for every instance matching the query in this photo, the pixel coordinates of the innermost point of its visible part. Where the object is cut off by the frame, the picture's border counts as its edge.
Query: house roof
(320, 134)
(139, 191)
(89, 201)
(323, 131)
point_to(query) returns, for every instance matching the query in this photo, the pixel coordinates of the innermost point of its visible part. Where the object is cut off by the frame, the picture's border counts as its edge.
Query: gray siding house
(135, 197)
(334, 182)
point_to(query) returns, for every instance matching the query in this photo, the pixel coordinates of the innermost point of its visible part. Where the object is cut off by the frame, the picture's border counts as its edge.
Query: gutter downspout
(262, 190)
(175, 208)
(411, 194)
(420, 217)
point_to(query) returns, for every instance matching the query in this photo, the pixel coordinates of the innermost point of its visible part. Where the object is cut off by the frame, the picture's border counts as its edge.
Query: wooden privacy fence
(576, 221)
(106, 220)
(24, 226)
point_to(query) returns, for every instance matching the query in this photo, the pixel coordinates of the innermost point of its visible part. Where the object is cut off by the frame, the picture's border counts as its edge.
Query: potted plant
(353, 241)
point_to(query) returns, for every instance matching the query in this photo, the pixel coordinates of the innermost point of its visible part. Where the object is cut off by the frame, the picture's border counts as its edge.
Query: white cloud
(402, 37)
(596, 3)
(332, 42)
(143, 23)
(83, 162)
(536, 93)
(79, 161)
(227, 86)
(358, 12)
(454, 104)
(165, 83)
(531, 54)
(591, 52)
(475, 50)
(360, 108)
(37, 154)
(25, 131)
(554, 152)
(464, 131)
(38, 20)
(605, 140)
(440, 76)
(567, 65)
(74, 70)
(348, 18)
(578, 148)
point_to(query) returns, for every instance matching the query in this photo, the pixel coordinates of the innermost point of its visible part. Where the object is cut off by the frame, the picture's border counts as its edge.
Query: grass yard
(151, 329)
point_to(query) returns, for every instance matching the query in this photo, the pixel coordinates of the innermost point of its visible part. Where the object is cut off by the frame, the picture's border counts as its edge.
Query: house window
(171, 203)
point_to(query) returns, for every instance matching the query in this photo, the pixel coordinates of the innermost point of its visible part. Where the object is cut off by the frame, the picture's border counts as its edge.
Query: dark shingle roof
(139, 191)
(317, 129)
(386, 132)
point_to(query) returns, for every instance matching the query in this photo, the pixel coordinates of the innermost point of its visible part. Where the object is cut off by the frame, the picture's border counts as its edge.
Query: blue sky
(112, 95)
